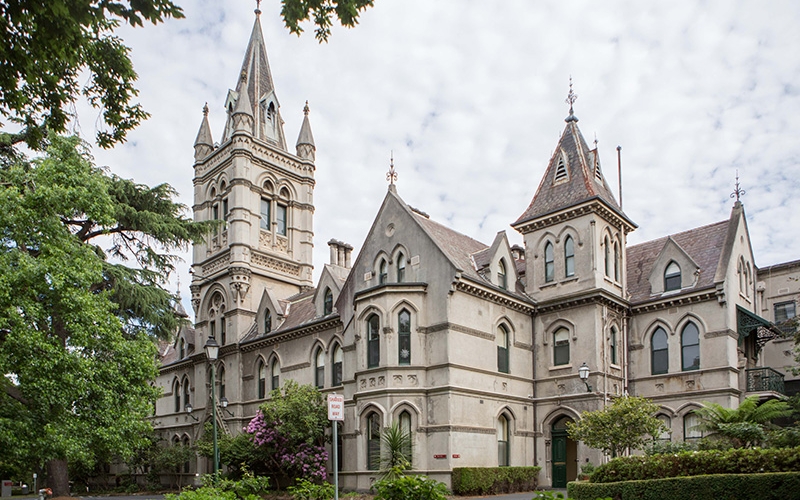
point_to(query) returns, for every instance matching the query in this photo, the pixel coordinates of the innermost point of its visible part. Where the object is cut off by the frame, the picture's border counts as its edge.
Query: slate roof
(582, 184)
(300, 311)
(703, 244)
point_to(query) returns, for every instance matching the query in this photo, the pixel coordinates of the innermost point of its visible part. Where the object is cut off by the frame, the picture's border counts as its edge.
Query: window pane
(280, 219)
(327, 307)
(569, 257)
(502, 359)
(373, 342)
(382, 274)
(660, 352)
(264, 224)
(337, 373)
(690, 423)
(401, 268)
(666, 435)
(549, 267)
(561, 347)
(404, 337)
(690, 343)
(613, 346)
(672, 277)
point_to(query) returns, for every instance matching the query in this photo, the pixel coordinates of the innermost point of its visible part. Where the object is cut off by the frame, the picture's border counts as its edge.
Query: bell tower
(262, 196)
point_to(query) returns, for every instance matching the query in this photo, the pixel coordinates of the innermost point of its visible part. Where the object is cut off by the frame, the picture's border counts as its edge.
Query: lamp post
(223, 403)
(583, 373)
(212, 350)
(189, 410)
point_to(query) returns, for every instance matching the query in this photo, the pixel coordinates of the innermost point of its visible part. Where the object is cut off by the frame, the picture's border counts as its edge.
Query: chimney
(517, 252)
(340, 253)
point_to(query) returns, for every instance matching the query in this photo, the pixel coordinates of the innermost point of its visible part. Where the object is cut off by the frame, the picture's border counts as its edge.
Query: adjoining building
(473, 348)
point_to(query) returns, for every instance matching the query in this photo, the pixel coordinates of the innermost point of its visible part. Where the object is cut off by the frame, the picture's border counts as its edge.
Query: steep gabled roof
(703, 244)
(456, 246)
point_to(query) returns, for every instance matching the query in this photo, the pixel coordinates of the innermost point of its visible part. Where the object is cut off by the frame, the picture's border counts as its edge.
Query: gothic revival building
(474, 349)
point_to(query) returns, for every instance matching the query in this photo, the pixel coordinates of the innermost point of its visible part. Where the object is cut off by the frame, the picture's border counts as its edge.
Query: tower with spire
(262, 195)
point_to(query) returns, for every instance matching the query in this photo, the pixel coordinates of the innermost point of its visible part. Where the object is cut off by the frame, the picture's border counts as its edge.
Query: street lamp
(583, 373)
(223, 403)
(189, 409)
(212, 350)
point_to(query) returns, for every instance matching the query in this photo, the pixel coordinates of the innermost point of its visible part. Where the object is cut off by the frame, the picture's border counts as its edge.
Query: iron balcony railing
(764, 380)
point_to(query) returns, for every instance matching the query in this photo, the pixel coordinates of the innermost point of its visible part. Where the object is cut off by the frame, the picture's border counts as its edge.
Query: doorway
(564, 455)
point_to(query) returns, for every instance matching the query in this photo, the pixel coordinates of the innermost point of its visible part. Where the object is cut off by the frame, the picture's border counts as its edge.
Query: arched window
(667, 434)
(612, 346)
(276, 375)
(742, 278)
(382, 272)
(265, 211)
(549, 263)
(262, 380)
(502, 281)
(373, 341)
(690, 347)
(749, 282)
(404, 338)
(401, 267)
(319, 368)
(280, 219)
(405, 429)
(337, 366)
(617, 262)
(186, 464)
(672, 277)
(607, 254)
(561, 347)
(502, 441)
(176, 394)
(186, 390)
(373, 441)
(659, 352)
(223, 334)
(267, 321)
(690, 430)
(221, 378)
(569, 257)
(501, 340)
(182, 349)
(327, 306)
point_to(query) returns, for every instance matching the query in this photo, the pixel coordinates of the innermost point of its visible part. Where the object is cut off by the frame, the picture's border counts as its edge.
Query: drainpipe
(533, 380)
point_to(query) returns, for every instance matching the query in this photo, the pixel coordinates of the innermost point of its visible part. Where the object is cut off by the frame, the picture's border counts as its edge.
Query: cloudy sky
(469, 95)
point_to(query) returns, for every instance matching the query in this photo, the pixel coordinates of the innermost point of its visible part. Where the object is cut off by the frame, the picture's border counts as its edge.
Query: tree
(48, 48)
(396, 445)
(295, 12)
(77, 332)
(742, 426)
(626, 424)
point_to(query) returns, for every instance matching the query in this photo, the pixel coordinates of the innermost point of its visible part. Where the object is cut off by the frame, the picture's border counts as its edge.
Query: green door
(559, 459)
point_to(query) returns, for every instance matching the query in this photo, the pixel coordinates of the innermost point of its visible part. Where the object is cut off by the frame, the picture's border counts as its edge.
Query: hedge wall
(769, 486)
(693, 463)
(493, 480)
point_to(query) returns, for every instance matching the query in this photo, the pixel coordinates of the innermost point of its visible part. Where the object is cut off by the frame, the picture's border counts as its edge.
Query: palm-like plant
(743, 426)
(395, 452)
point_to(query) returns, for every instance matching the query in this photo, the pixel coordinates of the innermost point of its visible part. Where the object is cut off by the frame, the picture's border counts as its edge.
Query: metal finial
(571, 98)
(305, 109)
(391, 175)
(205, 109)
(738, 191)
(595, 140)
(258, 8)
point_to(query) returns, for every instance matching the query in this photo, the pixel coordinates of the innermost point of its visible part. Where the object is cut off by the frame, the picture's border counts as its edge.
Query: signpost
(335, 415)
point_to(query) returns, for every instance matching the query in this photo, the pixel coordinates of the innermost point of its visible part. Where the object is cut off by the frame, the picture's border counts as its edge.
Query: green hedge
(493, 480)
(695, 463)
(775, 485)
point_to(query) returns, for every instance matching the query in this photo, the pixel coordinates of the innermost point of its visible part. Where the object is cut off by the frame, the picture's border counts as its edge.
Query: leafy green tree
(627, 424)
(322, 14)
(742, 426)
(77, 331)
(49, 48)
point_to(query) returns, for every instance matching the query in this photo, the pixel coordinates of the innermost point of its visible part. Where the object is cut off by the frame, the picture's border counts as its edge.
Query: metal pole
(214, 420)
(335, 460)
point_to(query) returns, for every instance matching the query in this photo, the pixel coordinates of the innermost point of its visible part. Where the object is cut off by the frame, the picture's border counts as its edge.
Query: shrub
(660, 446)
(306, 490)
(697, 463)
(248, 488)
(777, 486)
(410, 488)
(491, 480)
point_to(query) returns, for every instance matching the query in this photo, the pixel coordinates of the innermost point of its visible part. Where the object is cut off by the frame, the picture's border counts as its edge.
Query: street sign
(335, 407)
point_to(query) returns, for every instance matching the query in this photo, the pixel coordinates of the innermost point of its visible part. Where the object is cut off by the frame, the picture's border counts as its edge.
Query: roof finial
(391, 175)
(305, 109)
(258, 8)
(738, 191)
(205, 109)
(571, 98)
(595, 141)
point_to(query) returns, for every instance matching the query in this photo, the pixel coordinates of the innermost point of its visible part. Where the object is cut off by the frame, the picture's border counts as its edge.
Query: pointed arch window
(690, 430)
(265, 212)
(749, 282)
(401, 267)
(612, 346)
(502, 280)
(176, 394)
(672, 277)
(667, 434)
(182, 349)
(267, 321)
(404, 338)
(549, 263)
(223, 334)
(262, 380)
(276, 375)
(337, 366)
(659, 355)
(373, 441)
(690, 347)
(327, 306)
(569, 257)
(561, 170)
(617, 262)
(561, 347)
(221, 379)
(373, 341)
(607, 256)
(280, 219)
(383, 275)
(319, 368)
(186, 390)
(186, 465)
(503, 435)
(405, 429)
(501, 339)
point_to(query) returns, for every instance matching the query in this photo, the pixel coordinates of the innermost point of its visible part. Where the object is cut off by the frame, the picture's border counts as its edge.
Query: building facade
(472, 348)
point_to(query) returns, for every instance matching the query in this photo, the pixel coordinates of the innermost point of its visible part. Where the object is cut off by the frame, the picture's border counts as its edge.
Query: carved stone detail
(195, 289)
(240, 283)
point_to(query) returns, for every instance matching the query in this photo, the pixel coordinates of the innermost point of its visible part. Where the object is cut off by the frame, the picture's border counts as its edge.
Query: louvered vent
(561, 170)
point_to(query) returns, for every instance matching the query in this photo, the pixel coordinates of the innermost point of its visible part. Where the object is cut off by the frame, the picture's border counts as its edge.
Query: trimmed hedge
(493, 480)
(775, 485)
(694, 463)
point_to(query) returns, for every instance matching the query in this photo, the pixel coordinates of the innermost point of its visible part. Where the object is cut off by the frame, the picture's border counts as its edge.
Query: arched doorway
(564, 455)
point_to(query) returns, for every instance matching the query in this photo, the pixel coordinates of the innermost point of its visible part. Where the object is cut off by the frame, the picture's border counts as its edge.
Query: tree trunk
(58, 477)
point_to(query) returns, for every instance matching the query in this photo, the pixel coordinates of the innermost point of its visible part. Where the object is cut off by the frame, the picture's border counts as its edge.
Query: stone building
(473, 348)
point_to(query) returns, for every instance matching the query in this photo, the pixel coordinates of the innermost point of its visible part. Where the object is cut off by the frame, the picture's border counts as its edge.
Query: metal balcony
(764, 380)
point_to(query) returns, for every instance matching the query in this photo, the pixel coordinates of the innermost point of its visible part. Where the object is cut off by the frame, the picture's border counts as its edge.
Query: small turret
(204, 143)
(242, 115)
(305, 141)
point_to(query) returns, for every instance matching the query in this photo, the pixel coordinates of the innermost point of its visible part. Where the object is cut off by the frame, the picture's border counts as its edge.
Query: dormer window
(672, 277)
(502, 280)
(327, 305)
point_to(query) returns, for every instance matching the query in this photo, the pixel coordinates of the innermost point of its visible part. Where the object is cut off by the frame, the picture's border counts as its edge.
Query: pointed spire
(305, 141)
(571, 98)
(204, 143)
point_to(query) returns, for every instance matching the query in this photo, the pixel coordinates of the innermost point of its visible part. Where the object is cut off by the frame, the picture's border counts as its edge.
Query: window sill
(561, 367)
